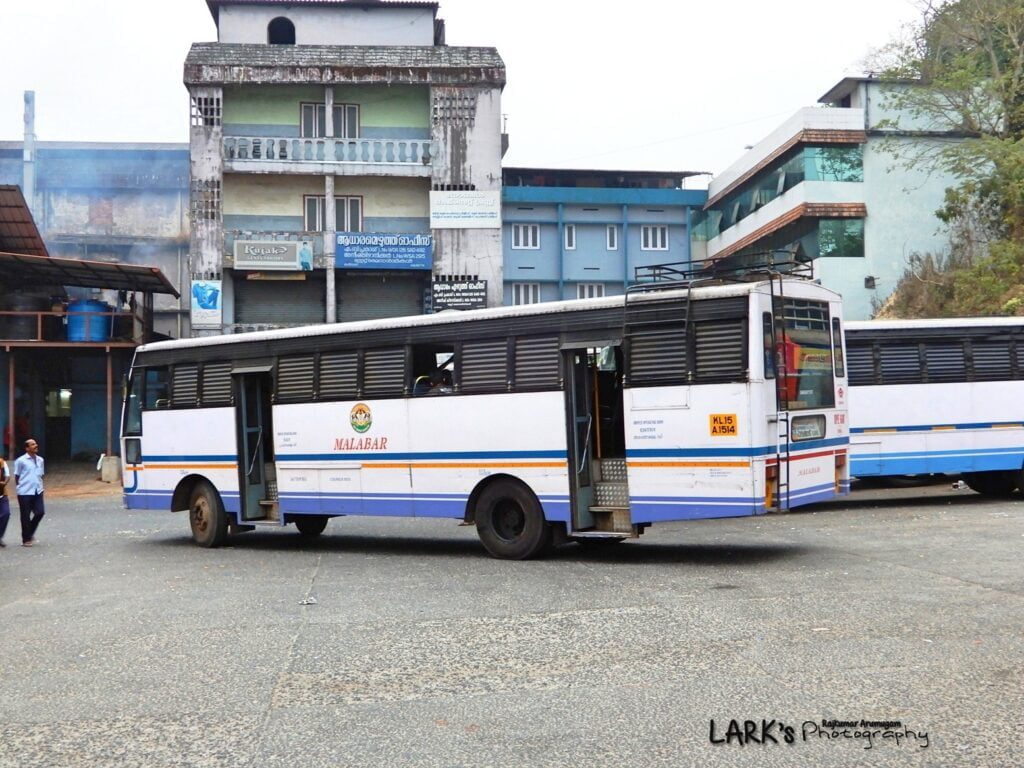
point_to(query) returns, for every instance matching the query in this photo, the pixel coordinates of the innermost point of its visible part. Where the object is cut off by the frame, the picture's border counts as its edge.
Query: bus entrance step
(612, 519)
(270, 507)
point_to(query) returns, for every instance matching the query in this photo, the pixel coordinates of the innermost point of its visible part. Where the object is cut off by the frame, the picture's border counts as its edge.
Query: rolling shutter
(185, 386)
(370, 297)
(536, 366)
(281, 302)
(945, 361)
(720, 351)
(901, 364)
(216, 388)
(860, 365)
(658, 357)
(384, 372)
(992, 361)
(295, 377)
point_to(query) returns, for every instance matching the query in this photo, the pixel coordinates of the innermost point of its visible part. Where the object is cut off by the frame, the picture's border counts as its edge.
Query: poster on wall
(379, 250)
(467, 209)
(207, 304)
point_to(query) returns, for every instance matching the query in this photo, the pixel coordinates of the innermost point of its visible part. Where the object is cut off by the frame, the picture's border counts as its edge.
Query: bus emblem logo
(360, 418)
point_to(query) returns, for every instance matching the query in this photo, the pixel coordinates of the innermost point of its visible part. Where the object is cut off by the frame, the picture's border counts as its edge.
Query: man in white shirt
(28, 477)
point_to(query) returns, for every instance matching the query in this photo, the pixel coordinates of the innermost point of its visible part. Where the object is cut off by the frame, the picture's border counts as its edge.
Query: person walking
(5, 504)
(28, 477)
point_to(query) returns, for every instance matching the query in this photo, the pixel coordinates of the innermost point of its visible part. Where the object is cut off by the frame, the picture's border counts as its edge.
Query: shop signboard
(379, 250)
(459, 294)
(270, 254)
(466, 209)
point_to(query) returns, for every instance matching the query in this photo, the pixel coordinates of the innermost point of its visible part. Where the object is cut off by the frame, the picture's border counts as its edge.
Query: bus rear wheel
(206, 516)
(311, 525)
(996, 484)
(510, 522)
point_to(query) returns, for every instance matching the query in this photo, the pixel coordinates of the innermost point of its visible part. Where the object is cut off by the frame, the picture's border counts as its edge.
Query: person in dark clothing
(5, 504)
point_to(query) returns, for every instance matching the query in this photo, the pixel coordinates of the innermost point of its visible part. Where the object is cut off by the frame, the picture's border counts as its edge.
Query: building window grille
(525, 293)
(612, 241)
(454, 108)
(206, 111)
(570, 237)
(348, 214)
(589, 290)
(206, 200)
(526, 237)
(654, 237)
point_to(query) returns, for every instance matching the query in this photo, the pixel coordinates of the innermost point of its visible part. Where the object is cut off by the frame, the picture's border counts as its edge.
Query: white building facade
(344, 162)
(826, 188)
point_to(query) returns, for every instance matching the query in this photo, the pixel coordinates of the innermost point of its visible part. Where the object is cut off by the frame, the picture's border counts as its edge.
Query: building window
(654, 237)
(348, 214)
(526, 236)
(313, 123)
(841, 237)
(613, 238)
(281, 31)
(525, 293)
(570, 237)
(589, 290)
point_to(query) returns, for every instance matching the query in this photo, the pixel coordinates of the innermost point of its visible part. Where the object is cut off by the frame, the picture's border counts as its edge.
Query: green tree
(959, 74)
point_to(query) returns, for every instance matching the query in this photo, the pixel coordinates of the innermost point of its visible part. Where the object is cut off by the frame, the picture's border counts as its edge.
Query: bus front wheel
(510, 522)
(311, 525)
(206, 516)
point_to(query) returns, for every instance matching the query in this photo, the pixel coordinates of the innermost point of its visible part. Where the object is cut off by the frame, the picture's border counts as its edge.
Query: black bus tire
(311, 525)
(510, 521)
(206, 516)
(996, 484)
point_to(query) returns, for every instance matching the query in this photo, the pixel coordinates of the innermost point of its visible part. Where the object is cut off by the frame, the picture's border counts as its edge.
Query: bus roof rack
(755, 266)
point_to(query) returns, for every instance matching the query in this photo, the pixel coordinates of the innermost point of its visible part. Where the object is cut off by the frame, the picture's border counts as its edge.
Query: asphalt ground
(123, 644)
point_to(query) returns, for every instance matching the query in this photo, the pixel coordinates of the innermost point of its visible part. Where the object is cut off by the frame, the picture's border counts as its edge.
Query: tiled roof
(237, 63)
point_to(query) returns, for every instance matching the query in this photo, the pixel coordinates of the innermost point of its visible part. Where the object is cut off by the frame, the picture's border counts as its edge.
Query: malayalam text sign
(467, 209)
(370, 250)
(459, 294)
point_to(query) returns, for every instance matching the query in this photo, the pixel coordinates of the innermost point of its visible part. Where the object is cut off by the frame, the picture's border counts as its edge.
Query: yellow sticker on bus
(723, 424)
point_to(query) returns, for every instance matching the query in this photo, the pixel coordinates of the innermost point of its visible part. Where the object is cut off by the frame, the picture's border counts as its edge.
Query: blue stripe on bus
(822, 492)
(425, 455)
(225, 457)
(653, 509)
(767, 450)
(450, 505)
(938, 427)
(927, 462)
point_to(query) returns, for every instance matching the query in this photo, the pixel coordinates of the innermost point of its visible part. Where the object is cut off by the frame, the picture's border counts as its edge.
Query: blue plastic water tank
(89, 327)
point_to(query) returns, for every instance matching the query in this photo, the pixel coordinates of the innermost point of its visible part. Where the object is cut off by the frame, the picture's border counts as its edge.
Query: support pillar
(110, 404)
(12, 449)
(329, 225)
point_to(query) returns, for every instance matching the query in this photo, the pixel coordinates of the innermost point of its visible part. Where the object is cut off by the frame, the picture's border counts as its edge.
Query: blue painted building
(582, 233)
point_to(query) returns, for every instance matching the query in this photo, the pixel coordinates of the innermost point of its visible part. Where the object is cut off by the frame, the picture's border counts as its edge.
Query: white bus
(938, 396)
(585, 420)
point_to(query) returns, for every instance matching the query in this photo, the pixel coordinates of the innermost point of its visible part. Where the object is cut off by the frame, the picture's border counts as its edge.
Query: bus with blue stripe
(938, 397)
(585, 420)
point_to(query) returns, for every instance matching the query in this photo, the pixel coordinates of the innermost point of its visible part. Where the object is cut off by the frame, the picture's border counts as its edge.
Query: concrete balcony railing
(409, 157)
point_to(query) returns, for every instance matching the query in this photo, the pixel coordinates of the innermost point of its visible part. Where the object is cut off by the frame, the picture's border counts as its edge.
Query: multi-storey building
(825, 187)
(343, 160)
(582, 233)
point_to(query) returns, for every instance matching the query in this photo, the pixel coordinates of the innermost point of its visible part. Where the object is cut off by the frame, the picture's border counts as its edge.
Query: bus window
(837, 348)
(806, 354)
(433, 368)
(769, 345)
(158, 394)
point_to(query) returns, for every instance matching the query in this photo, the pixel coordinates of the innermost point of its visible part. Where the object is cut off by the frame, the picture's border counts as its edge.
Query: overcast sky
(664, 85)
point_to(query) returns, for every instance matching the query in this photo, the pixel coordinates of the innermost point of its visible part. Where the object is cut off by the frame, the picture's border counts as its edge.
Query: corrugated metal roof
(18, 232)
(214, 5)
(211, 63)
(26, 271)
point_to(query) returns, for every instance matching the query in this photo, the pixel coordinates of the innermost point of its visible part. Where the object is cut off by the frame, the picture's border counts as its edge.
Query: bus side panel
(690, 453)
(178, 443)
(460, 441)
(910, 429)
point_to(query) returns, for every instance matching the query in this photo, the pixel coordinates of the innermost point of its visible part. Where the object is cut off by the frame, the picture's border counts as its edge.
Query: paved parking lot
(123, 644)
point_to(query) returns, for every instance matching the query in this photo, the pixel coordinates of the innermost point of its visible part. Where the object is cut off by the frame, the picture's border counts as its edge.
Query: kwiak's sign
(266, 255)
(375, 250)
